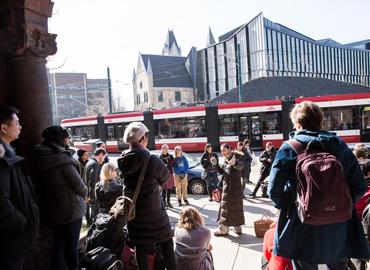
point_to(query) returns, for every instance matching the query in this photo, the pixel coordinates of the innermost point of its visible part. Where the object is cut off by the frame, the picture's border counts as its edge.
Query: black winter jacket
(265, 155)
(59, 187)
(19, 215)
(205, 161)
(92, 176)
(246, 158)
(106, 197)
(151, 224)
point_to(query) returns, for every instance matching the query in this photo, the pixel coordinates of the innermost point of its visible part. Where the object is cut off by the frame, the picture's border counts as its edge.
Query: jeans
(167, 250)
(300, 265)
(245, 179)
(212, 181)
(261, 183)
(65, 245)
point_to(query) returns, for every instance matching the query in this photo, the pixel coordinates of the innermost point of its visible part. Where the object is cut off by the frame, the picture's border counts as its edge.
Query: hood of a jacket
(306, 136)
(49, 155)
(131, 162)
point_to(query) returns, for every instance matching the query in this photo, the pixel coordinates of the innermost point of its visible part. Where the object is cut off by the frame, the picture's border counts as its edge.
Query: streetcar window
(188, 127)
(81, 134)
(229, 125)
(244, 125)
(342, 119)
(326, 123)
(366, 118)
(111, 132)
(270, 123)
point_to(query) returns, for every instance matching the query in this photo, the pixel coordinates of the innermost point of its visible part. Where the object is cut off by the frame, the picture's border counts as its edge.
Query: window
(177, 96)
(343, 119)
(326, 120)
(188, 127)
(365, 118)
(160, 96)
(81, 134)
(111, 132)
(229, 125)
(244, 125)
(145, 96)
(270, 123)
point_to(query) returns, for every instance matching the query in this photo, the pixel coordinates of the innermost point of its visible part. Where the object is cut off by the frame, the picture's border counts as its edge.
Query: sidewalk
(232, 252)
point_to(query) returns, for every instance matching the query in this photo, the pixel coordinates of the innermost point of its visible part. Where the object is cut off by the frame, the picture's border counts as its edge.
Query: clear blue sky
(93, 34)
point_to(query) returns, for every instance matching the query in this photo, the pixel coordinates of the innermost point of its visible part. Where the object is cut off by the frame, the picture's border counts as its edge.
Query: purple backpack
(323, 195)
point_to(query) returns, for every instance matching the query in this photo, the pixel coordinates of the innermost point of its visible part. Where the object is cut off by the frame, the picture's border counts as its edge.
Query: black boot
(180, 202)
(164, 197)
(169, 198)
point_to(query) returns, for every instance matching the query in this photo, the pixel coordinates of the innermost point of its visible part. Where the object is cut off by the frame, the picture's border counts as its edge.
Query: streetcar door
(365, 124)
(120, 130)
(255, 131)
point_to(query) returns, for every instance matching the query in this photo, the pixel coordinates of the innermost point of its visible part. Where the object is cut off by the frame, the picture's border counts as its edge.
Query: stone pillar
(24, 45)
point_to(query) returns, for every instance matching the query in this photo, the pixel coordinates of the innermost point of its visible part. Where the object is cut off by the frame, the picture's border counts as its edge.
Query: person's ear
(3, 129)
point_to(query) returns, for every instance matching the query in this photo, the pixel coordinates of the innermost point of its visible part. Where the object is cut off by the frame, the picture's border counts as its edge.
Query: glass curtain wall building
(268, 49)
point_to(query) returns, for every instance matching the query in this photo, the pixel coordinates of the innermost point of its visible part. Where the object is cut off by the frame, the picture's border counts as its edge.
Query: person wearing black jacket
(209, 162)
(246, 158)
(108, 189)
(61, 193)
(266, 158)
(19, 214)
(169, 160)
(83, 158)
(91, 178)
(151, 226)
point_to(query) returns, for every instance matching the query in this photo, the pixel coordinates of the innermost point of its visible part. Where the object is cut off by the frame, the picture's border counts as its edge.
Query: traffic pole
(109, 90)
(239, 66)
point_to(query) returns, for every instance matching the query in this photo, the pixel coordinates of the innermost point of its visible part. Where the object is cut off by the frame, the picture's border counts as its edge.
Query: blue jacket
(181, 165)
(312, 243)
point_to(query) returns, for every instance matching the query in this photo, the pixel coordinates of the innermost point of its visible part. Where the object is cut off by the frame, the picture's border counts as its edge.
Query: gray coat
(59, 186)
(231, 211)
(191, 249)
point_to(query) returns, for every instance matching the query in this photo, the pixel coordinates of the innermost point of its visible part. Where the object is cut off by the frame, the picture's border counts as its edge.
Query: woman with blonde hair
(192, 239)
(108, 189)
(181, 167)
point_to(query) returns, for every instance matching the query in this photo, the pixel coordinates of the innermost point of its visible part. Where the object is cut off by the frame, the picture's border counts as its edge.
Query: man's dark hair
(99, 151)
(6, 113)
(360, 153)
(99, 143)
(226, 146)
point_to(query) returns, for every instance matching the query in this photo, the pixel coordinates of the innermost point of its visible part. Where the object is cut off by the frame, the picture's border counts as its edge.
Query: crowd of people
(54, 189)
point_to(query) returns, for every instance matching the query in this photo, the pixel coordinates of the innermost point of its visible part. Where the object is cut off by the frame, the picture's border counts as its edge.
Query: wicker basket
(263, 225)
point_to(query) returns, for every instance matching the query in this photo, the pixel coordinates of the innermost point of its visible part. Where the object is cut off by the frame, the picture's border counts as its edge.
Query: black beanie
(55, 133)
(81, 152)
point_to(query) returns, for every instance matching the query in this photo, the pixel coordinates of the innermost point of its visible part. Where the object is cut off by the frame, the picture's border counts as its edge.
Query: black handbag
(124, 207)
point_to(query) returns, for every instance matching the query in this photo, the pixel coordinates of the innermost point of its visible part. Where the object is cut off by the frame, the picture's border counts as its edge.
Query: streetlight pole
(109, 90)
(239, 66)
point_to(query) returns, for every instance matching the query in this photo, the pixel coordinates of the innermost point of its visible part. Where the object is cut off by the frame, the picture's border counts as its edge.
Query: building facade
(268, 49)
(163, 81)
(74, 95)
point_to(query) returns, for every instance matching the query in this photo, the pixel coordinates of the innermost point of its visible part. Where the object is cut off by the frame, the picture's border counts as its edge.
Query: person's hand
(210, 247)
(269, 160)
(213, 161)
(232, 161)
(87, 199)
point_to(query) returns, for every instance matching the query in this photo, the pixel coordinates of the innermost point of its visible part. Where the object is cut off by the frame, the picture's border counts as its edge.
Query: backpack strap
(298, 147)
(141, 178)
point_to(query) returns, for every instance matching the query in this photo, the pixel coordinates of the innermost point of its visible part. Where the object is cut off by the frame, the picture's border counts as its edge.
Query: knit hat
(81, 152)
(55, 133)
(134, 132)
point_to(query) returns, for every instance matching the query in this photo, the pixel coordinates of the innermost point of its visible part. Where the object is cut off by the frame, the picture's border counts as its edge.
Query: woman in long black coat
(151, 226)
(231, 207)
